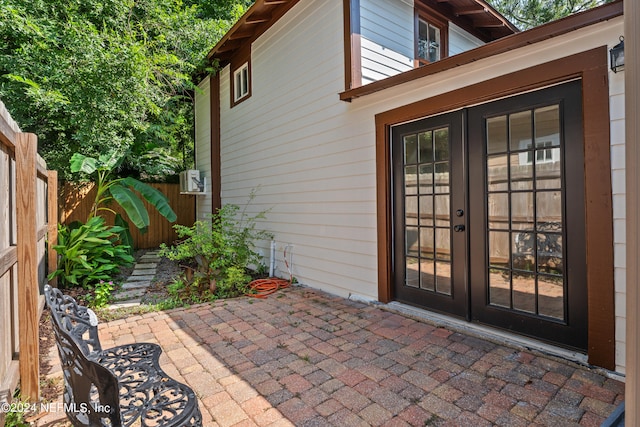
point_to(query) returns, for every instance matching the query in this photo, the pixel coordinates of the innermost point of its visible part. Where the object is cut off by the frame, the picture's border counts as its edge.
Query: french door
(489, 214)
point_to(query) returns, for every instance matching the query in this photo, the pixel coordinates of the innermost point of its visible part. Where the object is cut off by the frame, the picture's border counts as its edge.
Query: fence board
(24, 186)
(76, 201)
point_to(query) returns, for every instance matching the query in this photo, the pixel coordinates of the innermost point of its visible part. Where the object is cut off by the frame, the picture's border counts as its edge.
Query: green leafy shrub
(89, 253)
(218, 252)
(101, 294)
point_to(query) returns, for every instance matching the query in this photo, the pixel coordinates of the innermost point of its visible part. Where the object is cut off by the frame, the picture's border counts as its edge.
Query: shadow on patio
(302, 357)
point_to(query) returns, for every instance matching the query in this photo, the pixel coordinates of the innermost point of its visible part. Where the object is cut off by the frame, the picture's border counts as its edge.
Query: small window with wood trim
(431, 39)
(241, 83)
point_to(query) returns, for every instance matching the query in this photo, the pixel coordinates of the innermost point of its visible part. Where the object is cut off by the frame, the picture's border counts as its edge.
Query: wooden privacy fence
(76, 200)
(28, 222)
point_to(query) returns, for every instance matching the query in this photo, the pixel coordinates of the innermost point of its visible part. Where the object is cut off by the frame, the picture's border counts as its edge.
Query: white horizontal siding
(617, 135)
(460, 40)
(387, 31)
(203, 145)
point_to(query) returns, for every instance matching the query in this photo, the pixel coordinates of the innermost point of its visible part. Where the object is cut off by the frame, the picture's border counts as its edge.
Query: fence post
(52, 224)
(28, 289)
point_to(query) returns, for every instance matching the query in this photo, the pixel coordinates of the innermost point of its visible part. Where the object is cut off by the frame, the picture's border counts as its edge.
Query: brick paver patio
(302, 357)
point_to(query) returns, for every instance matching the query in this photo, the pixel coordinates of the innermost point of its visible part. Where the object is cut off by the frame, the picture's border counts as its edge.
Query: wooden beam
(28, 292)
(8, 257)
(470, 11)
(52, 224)
(258, 19)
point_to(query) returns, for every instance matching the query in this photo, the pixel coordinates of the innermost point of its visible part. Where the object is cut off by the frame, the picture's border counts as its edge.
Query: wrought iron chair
(120, 386)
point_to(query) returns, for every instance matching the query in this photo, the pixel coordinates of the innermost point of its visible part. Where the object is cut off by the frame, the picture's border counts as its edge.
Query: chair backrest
(91, 395)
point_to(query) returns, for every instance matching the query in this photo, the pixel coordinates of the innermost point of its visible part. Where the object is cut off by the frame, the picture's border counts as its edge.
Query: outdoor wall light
(616, 54)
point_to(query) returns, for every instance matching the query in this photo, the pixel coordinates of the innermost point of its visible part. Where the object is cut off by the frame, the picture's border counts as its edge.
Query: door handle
(458, 228)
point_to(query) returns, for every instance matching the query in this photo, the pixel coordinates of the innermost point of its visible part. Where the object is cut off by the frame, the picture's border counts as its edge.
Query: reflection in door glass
(427, 214)
(524, 218)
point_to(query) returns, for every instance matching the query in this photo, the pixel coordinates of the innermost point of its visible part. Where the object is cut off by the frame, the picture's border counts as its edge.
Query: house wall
(387, 38)
(617, 132)
(203, 146)
(311, 157)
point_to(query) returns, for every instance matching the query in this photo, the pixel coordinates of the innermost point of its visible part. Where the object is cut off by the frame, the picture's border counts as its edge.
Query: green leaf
(132, 205)
(125, 234)
(153, 196)
(81, 163)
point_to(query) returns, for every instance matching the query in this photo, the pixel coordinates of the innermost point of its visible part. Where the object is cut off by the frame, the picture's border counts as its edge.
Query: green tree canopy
(526, 14)
(91, 76)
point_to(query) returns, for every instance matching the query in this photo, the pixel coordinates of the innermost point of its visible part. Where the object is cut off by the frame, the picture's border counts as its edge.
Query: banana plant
(123, 191)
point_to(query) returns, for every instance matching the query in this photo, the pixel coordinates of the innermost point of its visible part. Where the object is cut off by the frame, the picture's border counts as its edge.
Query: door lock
(458, 228)
(459, 212)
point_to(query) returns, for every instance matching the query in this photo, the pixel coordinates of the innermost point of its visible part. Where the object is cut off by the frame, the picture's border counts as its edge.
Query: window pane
(410, 180)
(547, 125)
(551, 296)
(426, 211)
(523, 251)
(412, 272)
(497, 135)
(520, 130)
(499, 253)
(500, 288)
(442, 177)
(549, 211)
(548, 169)
(426, 179)
(441, 137)
(426, 242)
(425, 140)
(411, 210)
(498, 206)
(410, 149)
(524, 292)
(443, 216)
(521, 171)
(522, 211)
(411, 239)
(427, 275)
(443, 243)
(497, 173)
(550, 253)
(443, 277)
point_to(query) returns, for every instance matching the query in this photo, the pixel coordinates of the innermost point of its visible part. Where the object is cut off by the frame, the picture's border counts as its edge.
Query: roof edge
(525, 38)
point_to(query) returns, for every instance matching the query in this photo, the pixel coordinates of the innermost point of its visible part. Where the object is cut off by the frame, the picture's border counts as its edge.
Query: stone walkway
(306, 358)
(138, 282)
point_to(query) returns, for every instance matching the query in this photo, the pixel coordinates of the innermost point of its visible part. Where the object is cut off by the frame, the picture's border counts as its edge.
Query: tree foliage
(526, 14)
(91, 76)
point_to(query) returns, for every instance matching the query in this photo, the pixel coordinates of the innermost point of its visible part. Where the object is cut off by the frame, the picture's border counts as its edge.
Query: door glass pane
(443, 218)
(551, 296)
(425, 141)
(521, 172)
(497, 135)
(500, 288)
(412, 272)
(411, 210)
(410, 149)
(427, 275)
(499, 253)
(548, 169)
(443, 243)
(426, 211)
(426, 240)
(550, 258)
(520, 130)
(524, 256)
(426, 179)
(549, 211)
(441, 143)
(498, 211)
(411, 238)
(547, 126)
(498, 173)
(410, 180)
(443, 277)
(524, 292)
(442, 177)
(522, 211)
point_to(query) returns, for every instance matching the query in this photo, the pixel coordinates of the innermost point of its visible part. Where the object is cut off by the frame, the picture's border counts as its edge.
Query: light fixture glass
(616, 55)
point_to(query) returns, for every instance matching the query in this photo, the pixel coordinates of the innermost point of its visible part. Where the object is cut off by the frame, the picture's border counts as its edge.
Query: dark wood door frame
(591, 67)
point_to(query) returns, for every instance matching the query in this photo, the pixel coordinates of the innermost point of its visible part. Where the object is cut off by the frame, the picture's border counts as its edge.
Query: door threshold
(486, 332)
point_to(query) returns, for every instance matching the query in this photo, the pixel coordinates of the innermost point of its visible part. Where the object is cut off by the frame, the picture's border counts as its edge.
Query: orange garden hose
(260, 288)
